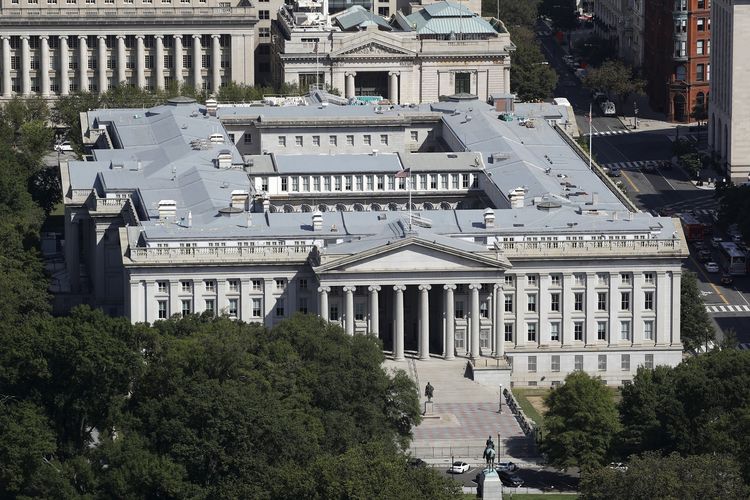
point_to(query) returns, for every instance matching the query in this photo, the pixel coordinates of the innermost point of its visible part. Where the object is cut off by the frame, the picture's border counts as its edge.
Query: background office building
(729, 104)
(56, 47)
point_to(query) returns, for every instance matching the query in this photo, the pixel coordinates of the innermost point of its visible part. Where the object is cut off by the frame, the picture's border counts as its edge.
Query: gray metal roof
(357, 17)
(446, 18)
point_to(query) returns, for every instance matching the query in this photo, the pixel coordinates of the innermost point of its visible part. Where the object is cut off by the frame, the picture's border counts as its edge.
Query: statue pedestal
(428, 408)
(492, 488)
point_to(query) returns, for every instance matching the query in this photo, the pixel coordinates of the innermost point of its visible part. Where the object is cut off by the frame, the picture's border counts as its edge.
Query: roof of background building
(358, 17)
(448, 18)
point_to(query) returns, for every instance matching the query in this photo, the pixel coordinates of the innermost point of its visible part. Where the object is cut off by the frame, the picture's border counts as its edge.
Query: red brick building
(676, 61)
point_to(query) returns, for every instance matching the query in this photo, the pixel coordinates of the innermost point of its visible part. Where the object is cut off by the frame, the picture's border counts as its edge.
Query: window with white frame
(414, 135)
(555, 280)
(578, 330)
(161, 286)
(648, 300)
(484, 338)
(531, 332)
(579, 279)
(649, 362)
(459, 309)
(648, 330)
(601, 301)
(210, 285)
(233, 307)
(256, 307)
(280, 283)
(625, 362)
(625, 278)
(316, 140)
(484, 309)
(282, 140)
(333, 312)
(531, 302)
(624, 330)
(298, 141)
(367, 139)
(162, 308)
(359, 311)
(602, 362)
(531, 364)
(625, 301)
(601, 330)
(578, 362)
(234, 285)
(554, 304)
(508, 327)
(460, 339)
(578, 301)
(508, 303)
(187, 307)
(555, 363)
(554, 331)
(648, 278)
(210, 307)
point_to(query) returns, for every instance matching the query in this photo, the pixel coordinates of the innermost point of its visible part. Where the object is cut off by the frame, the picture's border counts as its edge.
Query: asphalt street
(666, 191)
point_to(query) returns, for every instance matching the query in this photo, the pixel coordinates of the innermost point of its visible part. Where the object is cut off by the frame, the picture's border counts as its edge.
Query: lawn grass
(527, 407)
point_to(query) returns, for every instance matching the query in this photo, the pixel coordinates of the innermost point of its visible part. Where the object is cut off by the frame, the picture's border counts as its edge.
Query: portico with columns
(406, 292)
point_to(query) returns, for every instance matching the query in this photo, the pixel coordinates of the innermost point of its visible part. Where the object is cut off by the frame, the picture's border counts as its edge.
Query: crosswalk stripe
(712, 308)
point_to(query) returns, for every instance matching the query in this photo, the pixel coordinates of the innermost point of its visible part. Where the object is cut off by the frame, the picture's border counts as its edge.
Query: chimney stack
(317, 221)
(211, 106)
(516, 197)
(167, 209)
(489, 218)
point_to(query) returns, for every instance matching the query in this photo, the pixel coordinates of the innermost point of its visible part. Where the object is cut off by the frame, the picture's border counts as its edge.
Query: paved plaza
(465, 413)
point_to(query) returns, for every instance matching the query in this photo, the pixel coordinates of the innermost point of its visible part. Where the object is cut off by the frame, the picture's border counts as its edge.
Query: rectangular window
(484, 310)
(648, 301)
(648, 278)
(256, 307)
(295, 183)
(162, 306)
(508, 280)
(234, 285)
(508, 332)
(625, 330)
(532, 364)
(555, 364)
(509, 303)
(282, 140)
(578, 279)
(625, 278)
(700, 72)
(554, 331)
(578, 363)
(334, 313)
(284, 184)
(484, 338)
(578, 301)
(347, 182)
(554, 304)
(555, 280)
(648, 330)
(187, 286)
(625, 362)
(316, 183)
(302, 305)
(298, 140)
(161, 286)
(462, 83)
(279, 307)
(302, 284)
(531, 279)
(414, 135)
(332, 140)
(649, 361)
(316, 140)
(350, 140)
(602, 278)
(531, 302)
(459, 309)
(264, 14)
(625, 301)
(211, 307)
(187, 307)
(257, 284)
(233, 307)
(531, 332)
(699, 45)
(280, 283)
(459, 342)
(602, 362)
(327, 183)
(359, 311)
(306, 184)
(578, 330)
(701, 24)
(384, 139)
(367, 139)
(601, 330)
(601, 302)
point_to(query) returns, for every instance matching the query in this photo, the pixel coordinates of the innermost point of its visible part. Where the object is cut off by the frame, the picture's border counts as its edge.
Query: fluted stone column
(350, 84)
(498, 323)
(159, 39)
(676, 286)
(121, 62)
(25, 66)
(7, 85)
(140, 61)
(44, 67)
(215, 63)
(374, 310)
(102, 56)
(393, 87)
(197, 63)
(349, 319)
(83, 63)
(398, 330)
(424, 321)
(475, 318)
(450, 322)
(178, 65)
(64, 66)
(324, 309)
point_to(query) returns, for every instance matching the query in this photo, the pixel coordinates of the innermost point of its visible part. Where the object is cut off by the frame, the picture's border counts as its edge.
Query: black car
(726, 279)
(509, 479)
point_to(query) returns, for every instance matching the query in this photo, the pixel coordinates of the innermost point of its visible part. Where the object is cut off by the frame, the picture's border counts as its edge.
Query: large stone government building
(495, 241)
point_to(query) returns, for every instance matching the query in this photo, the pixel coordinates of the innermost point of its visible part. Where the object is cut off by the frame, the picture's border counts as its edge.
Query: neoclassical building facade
(442, 49)
(53, 49)
(509, 252)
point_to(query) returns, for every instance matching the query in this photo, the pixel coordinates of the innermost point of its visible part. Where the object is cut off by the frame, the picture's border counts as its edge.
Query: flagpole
(591, 136)
(408, 180)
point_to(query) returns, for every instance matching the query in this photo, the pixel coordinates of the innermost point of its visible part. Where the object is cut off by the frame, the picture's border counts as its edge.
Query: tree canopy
(532, 78)
(581, 423)
(614, 77)
(696, 329)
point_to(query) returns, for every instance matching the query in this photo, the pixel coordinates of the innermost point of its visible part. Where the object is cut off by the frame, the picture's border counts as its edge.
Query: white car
(712, 267)
(459, 468)
(608, 108)
(506, 466)
(64, 147)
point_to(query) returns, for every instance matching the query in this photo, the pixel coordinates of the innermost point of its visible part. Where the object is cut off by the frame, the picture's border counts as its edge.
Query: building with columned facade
(442, 49)
(63, 46)
(494, 242)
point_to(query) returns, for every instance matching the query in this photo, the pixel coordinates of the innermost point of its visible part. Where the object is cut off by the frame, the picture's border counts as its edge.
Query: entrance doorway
(679, 108)
(371, 83)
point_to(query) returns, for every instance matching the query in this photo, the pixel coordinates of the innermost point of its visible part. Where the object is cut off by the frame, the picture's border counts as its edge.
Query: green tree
(532, 79)
(581, 423)
(667, 477)
(614, 77)
(691, 162)
(696, 328)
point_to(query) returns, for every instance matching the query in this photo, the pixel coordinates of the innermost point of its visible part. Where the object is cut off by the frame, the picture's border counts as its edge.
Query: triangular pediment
(414, 256)
(372, 47)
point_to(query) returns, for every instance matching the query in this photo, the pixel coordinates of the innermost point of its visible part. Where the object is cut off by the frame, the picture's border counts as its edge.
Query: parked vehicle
(509, 479)
(459, 467)
(726, 279)
(712, 267)
(614, 172)
(64, 147)
(506, 466)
